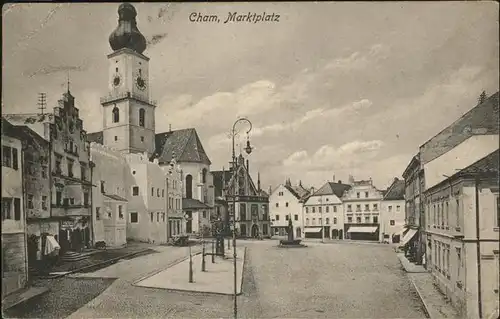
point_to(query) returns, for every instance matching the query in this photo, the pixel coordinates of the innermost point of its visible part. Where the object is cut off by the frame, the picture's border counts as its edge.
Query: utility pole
(42, 102)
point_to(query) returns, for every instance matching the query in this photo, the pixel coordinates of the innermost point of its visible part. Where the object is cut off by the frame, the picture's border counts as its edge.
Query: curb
(426, 308)
(175, 262)
(98, 265)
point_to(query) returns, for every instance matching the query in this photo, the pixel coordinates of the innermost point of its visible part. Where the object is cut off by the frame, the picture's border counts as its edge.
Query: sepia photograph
(240, 160)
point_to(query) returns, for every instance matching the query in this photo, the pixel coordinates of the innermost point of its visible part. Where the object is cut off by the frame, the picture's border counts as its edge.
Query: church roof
(185, 144)
(219, 177)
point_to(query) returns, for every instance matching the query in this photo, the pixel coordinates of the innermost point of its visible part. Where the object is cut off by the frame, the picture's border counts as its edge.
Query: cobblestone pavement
(320, 281)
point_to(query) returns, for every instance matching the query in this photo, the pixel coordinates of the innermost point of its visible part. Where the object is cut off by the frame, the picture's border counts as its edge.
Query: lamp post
(248, 149)
(321, 214)
(190, 255)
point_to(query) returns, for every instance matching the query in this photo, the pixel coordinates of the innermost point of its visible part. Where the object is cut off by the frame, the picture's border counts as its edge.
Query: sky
(332, 89)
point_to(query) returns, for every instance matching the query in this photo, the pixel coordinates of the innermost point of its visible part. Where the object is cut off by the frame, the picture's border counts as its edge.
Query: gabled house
(285, 203)
(252, 203)
(323, 211)
(392, 211)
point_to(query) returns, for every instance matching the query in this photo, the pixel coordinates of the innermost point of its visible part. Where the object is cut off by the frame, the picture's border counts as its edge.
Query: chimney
(170, 127)
(270, 189)
(300, 183)
(333, 179)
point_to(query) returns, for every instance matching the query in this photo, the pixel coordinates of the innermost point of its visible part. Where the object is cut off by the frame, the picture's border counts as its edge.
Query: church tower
(128, 112)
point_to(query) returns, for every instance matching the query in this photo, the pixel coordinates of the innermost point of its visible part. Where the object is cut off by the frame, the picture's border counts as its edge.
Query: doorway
(255, 230)
(298, 233)
(335, 234)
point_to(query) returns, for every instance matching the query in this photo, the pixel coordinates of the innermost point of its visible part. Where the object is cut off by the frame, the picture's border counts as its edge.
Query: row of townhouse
(356, 210)
(453, 219)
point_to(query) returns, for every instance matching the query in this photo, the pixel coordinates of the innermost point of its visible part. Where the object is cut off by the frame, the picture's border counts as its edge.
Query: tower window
(142, 116)
(142, 138)
(116, 138)
(116, 69)
(116, 115)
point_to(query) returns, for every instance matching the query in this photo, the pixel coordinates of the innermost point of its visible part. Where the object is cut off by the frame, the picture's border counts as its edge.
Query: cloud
(327, 156)
(155, 39)
(359, 60)
(51, 69)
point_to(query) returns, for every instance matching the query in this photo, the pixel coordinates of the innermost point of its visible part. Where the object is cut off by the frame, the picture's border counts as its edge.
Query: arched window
(204, 176)
(142, 117)
(189, 186)
(116, 115)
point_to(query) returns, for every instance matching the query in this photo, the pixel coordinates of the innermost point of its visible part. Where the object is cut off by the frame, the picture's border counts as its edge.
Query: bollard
(190, 266)
(203, 258)
(213, 252)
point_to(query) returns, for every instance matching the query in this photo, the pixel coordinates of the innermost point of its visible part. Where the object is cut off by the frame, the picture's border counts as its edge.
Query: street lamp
(187, 218)
(321, 214)
(248, 150)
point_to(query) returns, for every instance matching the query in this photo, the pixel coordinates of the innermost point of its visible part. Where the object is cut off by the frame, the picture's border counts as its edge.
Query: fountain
(291, 242)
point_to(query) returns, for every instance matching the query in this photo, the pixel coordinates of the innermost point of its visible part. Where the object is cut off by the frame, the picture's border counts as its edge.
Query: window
(366, 194)
(162, 193)
(243, 211)
(58, 164)
(319, 209)
(398, 208)
(44, 202)
(367, 207)
(459, 262)
(6, 208)
(334, 209)
(497, 210)
(189, 186)
(327, 221)
(375, 219)
(204, 214)
(30, 202)
(367, 219)
(358, 219)
(152, 191)
(70, 167)
(44, 171)
(286, 204)
(307, 221)
(296, 217)
(163, 217)
(98, 213)
(151, 217)
(6, 156)
(389, 208)
(349, 219)
(327, 209)
(142, 138)
(457, 213)
(277, 205)
(134, 217)
(83, 172)
(447, 215)
(142, 117)
(358, 195)
(358, 208)
(157, 192)
(314, 221)
(135, 191)
(375, 207)
(320, 220)
(287, 217)
(314, 209)
(349, 208)
(157, 217)
(58, 198)
(334, 220)
(277, 217)
(116, 138)
(116, 116)
(307, 210)
(392, 222)
(204, 176)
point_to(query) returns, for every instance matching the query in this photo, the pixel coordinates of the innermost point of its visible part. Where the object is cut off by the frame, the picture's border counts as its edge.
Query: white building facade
(392, 212)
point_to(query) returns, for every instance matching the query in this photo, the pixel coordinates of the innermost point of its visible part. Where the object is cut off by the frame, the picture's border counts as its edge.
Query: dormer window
(116, 115)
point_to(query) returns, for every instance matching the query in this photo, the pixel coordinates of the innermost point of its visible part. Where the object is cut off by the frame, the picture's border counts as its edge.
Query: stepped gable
(184, 143)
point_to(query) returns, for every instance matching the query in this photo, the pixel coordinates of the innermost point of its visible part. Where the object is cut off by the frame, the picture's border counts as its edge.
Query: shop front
(74, 234)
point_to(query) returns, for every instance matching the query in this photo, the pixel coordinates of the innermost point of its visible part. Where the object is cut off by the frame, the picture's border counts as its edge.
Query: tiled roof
(330, 188)
(487, 165)
(185, 144)
(298, 191)
(191, 203)
(396, 191)
(7, 128)
(96, 137)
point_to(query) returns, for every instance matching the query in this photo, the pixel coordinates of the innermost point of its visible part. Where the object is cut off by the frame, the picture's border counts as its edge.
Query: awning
(355, 229)
(312, 230)
(400, 232)
(409, 235)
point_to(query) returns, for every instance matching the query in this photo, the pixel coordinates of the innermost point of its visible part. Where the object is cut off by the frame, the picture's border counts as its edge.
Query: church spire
(258, 181)
(126, 34)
